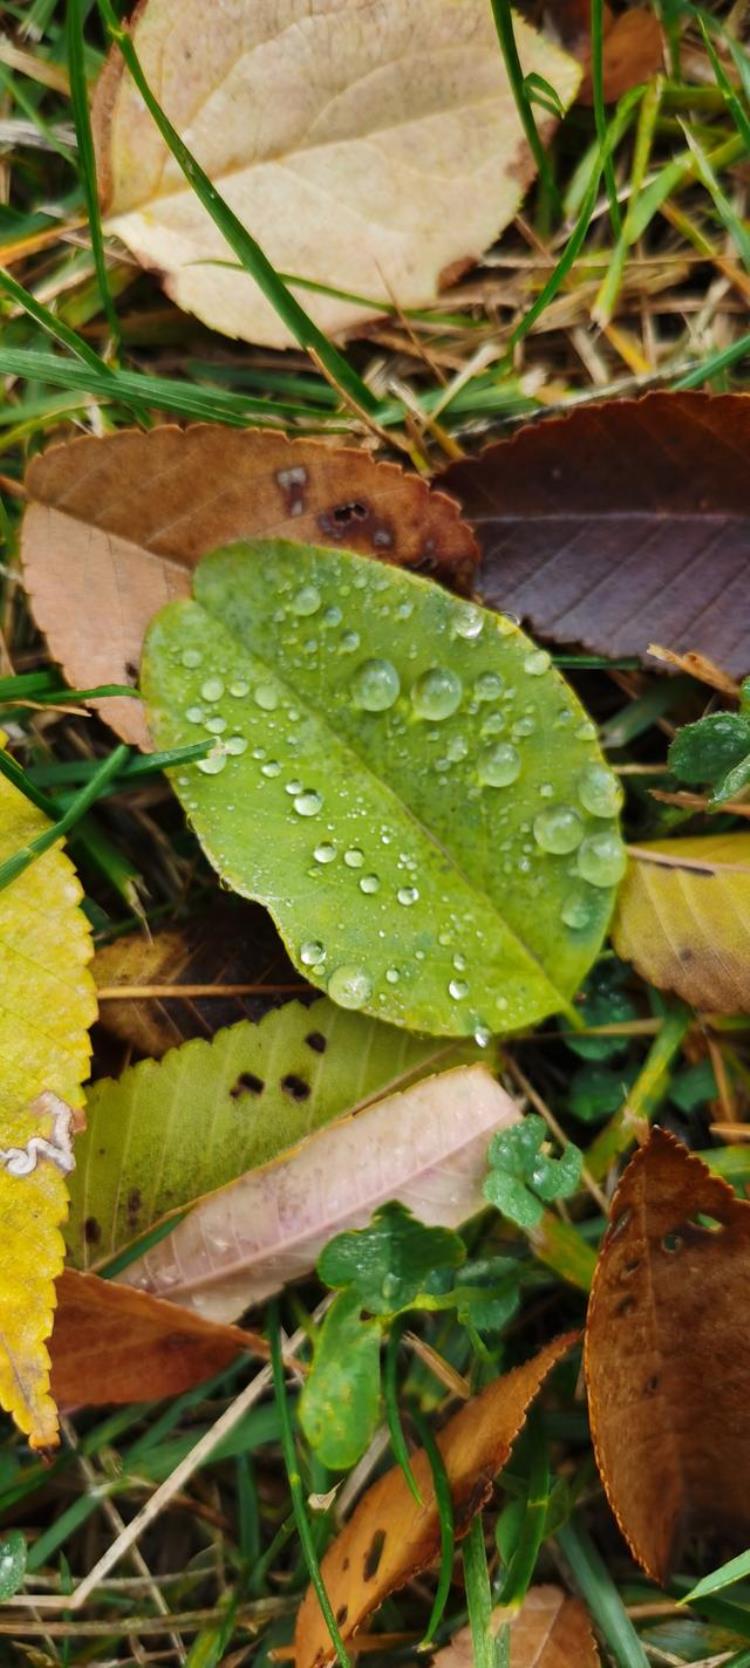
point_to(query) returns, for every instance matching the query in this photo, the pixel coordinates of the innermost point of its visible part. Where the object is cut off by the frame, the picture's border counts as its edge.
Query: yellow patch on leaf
(47, 1002)
(683, 919)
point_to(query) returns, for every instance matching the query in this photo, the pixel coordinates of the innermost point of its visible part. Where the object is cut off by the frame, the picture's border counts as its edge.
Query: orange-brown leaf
(114, 1344)
(550, 1630)
(668, 1355)
(389, 1538)
(115, 526)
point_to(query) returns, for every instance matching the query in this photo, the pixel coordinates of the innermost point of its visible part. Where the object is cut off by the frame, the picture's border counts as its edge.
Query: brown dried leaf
(113, 1344)
(389, 1538)
(551, 1630)
(115, 526)
(620, 524)
(683, 919)
(668, 1354)
(234, 943)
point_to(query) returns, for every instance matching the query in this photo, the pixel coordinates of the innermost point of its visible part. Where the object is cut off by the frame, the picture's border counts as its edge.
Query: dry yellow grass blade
(370, 145)
(47, 1003)
(683, 919)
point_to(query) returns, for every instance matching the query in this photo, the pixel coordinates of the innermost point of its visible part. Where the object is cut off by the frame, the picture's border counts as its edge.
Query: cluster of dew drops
(435, 696)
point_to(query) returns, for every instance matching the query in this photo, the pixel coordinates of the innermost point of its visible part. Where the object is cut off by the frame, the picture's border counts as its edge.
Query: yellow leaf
(47, 1003)
(683, 919)
(370, 145)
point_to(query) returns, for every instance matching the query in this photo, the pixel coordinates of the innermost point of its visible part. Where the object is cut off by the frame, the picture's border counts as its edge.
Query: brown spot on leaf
(135, 1201)
(317, 1042)
(373, 1555)
(247, 1084)
(297, 1087)
(92, 1231)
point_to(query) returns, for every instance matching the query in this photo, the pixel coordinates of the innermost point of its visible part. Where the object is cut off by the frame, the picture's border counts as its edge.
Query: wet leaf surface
(683, 919)
(401, 777)
(621, 525)
(389, 1537)
(667, 1355)
(115, 526)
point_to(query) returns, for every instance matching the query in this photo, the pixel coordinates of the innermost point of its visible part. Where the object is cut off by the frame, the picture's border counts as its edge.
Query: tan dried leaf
(367, 144)
(550, 1630)
(114, 528)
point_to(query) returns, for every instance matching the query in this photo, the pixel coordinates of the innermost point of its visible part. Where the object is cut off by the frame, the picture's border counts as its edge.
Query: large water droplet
(273, 768)
(407, 895)
(213, 764)
(354, 858)
(489, 686)
(307, 600)
(312, 953)
(375, 685)
(333, 616)
(308, 804)
(602, 859)
(239, 687)
(576, 911)
(536, 664)
(370, 883)
(212, 689)
(469, 621)
(437, 694)
(236, 745)
(349, 986)
(558, 830)
(266, 696)
(458, 989)
(523, 727)
(216, 725)
(599, 791)
(499, 764)
(325, 852)
(195, 715)
(350, 642)
(392, 975)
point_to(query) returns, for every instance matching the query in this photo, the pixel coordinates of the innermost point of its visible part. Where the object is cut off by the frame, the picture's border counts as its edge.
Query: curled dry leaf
(112, 1344)
(115, 526)
(621, 524)
(390, 1538)
(309, 120)
(425, 1147)
(550, 1630)
(683, 919)
(667, 1355)
(46, 1007)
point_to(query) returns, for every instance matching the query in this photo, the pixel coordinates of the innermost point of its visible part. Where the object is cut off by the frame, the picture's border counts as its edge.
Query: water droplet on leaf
(375, 685)
(489, 686)
(191, 658)
(236, 745)
(536, 664)
(266, 696)
(325, 852)
(370, 883)
(354, 858)
(350, 987)
(599, 791)
(437, 694)
(308, 804)
(602, 859)
(212, 689)
(458, 989)
(558, 830)
(312, 953)
(499, 764)
(407, 895)
(307, 601)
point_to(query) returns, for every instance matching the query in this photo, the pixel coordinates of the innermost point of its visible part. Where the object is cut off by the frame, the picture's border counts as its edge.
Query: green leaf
(734, 784)
(596, 1091)
(522, 1174)
(12, 1564)
(339, 1405)
(734, 1570)
(487, 1293)
(387, 1263)
(604, 1002)
(394, 775)
(173, 1129)
(705, 751)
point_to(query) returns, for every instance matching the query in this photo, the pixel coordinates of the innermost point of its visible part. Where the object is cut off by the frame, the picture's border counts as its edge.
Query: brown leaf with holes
(115, 526)
(668, 1355)
(114, 1344)
(389, 1538)
(683, 919)
(621, 524)
(550, 1630)
(192, 976)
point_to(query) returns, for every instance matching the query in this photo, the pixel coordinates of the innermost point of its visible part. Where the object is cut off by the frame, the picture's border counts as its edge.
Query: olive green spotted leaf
(400, 776)
(168, 1131)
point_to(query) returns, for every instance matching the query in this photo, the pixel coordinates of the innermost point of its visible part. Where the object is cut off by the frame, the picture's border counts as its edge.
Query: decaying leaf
(425, 1147)
(113, 1344)
(114, 527)
(667, 1355)
(550, 1630)
(632, 45)
(309, 120)
(191, 975)
(389, 1538)
(401, 777)
(46, 1006)
(168, 1131)
(683, 919)
(621, 524)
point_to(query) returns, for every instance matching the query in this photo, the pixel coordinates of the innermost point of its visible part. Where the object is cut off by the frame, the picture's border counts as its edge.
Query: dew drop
(489, 686)
(312, 953)
(375, 685)
(586, 731)
(354, 858)
(349, 986)
(404, 610)
(602, 859)
(216, 725)
(523, 727)
(273, 768)
(370, 883)
(266, 696)
(213, 764)
(333, 616)
(558, 830)
(191, 658)
(576, 911)
(308, 804)
(293, 788)
(457, 749)
(212, 689)
(499, 764)
(482, 1035)
(236, 745)
(349, 642)
(458, 989)
(325, 852)
(407, 895)
(392, 975)
(194, 715)
(599, 791)
(239, 687)
(437, 694)
(469, 622)
(536, 664)
(459, 962)
(493, 725)
(307, 601)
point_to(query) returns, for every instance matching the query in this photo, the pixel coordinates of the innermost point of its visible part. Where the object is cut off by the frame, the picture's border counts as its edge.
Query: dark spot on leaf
(134, 1203)
(345, 1564)
(686, 954)
(631, 1265)
(295, 1086)
(625, 1306)
(672, 1242)
(317, 1042)
(92, 1232)
(651, 1385)
(247, 1084)
(373, 1555)
(354, 520)
(341, 1614)
(131, 671)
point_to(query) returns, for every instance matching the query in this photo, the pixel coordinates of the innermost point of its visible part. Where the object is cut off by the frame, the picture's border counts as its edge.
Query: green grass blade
(734, 1570)
(600, 114)
(600, 1594)
(52, 324)
(506, 35)
(87, 160)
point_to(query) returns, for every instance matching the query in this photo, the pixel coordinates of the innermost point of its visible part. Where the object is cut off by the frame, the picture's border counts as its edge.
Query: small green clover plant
(523, 1178)
(379, 1273)
(715, 752)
